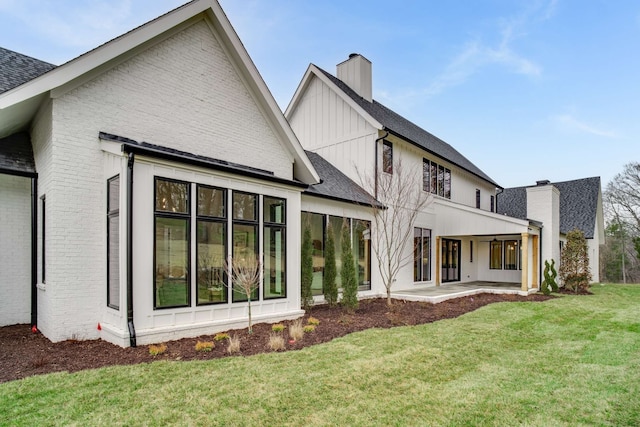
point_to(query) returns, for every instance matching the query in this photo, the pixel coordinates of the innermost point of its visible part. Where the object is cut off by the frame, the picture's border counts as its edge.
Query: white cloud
(571, 123)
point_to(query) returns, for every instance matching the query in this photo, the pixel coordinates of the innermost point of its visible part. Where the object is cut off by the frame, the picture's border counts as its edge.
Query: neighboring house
(570, 204)
(103, 235)
(460, 237)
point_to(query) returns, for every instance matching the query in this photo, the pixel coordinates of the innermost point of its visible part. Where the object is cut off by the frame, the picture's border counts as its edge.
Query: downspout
(132, 329)
(375, 174)
(34, 252)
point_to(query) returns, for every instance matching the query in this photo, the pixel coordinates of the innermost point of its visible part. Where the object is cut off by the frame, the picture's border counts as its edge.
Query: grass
(570, 361)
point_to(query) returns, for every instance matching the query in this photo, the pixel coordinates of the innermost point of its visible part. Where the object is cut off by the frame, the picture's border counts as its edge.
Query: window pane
(417, 254)
(274, 210)
(447, 183)
(245, 239)
(316, 222)
(336, 224)
(387, 157)
(113, 250)
(212, 278)
(426, 255)
(211, 202)
(440, 181)
(172, 261)
(510, 255)
(426, 179)
(244, 206)
(434, 178)
(172, 196)
(361, 245)
(274, 262)
(113, 200)
(495, 255)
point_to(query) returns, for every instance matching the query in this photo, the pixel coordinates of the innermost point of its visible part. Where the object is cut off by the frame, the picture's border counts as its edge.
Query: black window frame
(112, 213)
(418, 254)
(426, 175)
(505, 244)
(500, 251)
(43, 252)
(478, 198)
(204, 218)
(387, 157)
(493, 203)
(255, 223)
(172, 215)
(282, 226)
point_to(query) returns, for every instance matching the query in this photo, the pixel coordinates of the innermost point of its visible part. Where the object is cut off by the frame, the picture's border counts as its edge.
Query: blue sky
(527, 90)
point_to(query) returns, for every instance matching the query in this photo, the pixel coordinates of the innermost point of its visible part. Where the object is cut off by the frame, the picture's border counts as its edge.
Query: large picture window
(511, 254)
(113, 242)
(436, 179)
(172, 243)
(361, 247)
(211, 249)
(274, 212)
(495, 255)
(245, 234)
(422, 254)
(316, 223)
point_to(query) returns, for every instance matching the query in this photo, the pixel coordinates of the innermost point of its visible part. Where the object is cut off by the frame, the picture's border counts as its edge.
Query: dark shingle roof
(16, 155)
(396, 124)
(578, 204)
(16, 69)
(336, 185)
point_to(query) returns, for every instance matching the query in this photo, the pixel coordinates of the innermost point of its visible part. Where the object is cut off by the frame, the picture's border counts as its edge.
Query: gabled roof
(337, 186)
(18, 68)
(19, 105)
(403, 128)
(578, 204)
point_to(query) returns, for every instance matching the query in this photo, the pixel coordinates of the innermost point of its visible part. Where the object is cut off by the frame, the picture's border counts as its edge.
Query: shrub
(348, 271)
(204, 346)
(234, 345)
(313, 321)
(329, 285)
(295, 330)
(276, 341)
(156, 349)
(306, 269)
(221, 336)
(309, 328)
(278, 327)
(549, 283)
(574, 265)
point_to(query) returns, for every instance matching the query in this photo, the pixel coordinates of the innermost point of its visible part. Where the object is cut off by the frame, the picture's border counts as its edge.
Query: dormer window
(387, 157)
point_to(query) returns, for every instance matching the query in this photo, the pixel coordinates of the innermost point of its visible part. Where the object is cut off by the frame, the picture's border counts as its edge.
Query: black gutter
(34, 251)
(132, 329)
(16, 172)
(404, 138)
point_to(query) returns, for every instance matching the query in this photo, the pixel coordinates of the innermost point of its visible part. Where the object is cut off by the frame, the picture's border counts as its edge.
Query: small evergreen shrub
(306, 269)
(157, 349)
(205, 346)
(329, 285)
(348, 272)
(278, 327)
(309, 328)
(549, 283)
(313, 321)
(221, 336)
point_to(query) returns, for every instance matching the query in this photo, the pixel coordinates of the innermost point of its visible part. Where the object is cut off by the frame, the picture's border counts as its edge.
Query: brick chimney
(356, 73)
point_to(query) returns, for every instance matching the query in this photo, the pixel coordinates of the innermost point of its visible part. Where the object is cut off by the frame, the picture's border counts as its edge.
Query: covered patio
(436, 294)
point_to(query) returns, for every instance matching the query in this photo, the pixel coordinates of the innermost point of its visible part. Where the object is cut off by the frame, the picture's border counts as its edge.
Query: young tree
(329, 285)
(348, 271)
(245, 276)
(401, 193)
(306, 268)
(574, 262)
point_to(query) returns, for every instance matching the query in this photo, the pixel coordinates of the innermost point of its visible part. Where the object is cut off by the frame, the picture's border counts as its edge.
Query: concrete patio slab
(436, 294)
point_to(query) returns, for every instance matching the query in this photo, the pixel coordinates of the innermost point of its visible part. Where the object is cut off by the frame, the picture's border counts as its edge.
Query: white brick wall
(15, 250)
(181, 93)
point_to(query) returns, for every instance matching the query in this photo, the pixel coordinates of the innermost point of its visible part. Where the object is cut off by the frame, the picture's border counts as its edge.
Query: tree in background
(621, 254)
(306, 268)
(574, 262)
(348, 271)
(329, 285)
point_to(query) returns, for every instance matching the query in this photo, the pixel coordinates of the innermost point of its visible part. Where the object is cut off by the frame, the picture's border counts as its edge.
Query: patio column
(525, 262)
(535, 275)
(438, 260)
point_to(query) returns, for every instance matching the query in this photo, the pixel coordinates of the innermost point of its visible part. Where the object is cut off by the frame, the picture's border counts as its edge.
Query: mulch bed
(24, 353)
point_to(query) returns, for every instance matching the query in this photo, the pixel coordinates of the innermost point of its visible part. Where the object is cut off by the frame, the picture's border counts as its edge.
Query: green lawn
(570, 361)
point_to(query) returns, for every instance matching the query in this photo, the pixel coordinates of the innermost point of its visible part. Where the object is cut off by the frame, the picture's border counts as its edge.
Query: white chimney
(356, 73)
